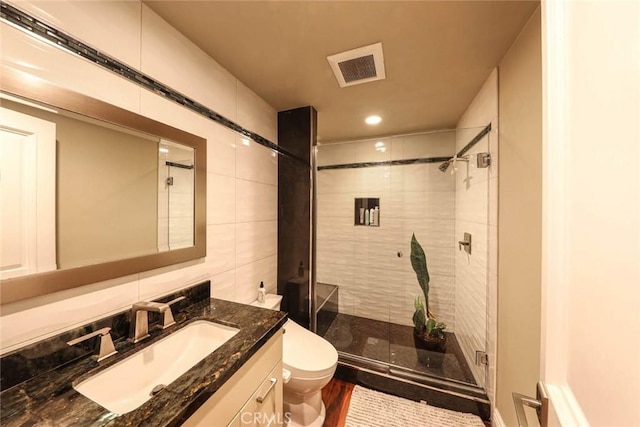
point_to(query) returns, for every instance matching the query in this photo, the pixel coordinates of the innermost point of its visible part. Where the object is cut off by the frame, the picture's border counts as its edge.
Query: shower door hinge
(170, 181)
(483, 160)
(482, 359)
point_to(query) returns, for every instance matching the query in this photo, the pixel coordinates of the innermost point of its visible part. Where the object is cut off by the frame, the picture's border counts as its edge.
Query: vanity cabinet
(251, 397)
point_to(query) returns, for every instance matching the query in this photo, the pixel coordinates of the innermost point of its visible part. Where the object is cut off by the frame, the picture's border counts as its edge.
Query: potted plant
(428, 332)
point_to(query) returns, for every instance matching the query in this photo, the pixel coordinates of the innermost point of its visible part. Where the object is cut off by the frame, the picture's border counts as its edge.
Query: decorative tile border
(178, 165)
(466, 148)
(475, 140)
(385, 163)
(35, 27)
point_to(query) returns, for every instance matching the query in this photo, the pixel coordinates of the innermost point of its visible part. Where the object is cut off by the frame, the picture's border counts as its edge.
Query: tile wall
(241, 179)
(417, 198)
(476, 213)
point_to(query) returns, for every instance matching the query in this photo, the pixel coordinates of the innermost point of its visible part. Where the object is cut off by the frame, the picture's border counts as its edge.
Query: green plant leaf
(418, 321)
(419, 315)
(431, 323)
(419, 264)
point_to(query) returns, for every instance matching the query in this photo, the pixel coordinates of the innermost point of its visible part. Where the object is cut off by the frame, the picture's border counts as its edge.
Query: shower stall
(175, 196)
(372, 196)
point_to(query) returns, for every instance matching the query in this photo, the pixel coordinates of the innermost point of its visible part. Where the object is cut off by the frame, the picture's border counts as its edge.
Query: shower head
(443, 167)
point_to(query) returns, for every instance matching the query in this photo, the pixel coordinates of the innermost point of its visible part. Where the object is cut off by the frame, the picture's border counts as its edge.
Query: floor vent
(356, 66)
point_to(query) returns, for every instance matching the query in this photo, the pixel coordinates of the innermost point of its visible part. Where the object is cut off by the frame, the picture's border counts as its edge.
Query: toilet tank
(271, 302)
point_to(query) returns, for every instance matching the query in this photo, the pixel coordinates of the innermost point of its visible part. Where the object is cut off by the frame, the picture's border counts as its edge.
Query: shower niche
(367, 212)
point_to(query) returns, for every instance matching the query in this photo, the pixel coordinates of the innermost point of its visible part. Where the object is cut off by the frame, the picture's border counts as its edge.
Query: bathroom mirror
(91, 192)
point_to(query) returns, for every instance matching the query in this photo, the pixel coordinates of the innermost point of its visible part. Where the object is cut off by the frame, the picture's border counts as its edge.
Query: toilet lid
(306, 354)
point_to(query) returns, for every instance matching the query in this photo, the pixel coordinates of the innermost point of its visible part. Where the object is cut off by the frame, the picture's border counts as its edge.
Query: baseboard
(564, 407)
(496, 419)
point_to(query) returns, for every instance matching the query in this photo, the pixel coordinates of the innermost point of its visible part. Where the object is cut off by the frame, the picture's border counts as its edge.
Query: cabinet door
(235, 422)
(264, 408)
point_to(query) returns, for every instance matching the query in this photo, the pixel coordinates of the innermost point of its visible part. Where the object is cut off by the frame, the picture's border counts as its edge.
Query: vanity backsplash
(52, 353)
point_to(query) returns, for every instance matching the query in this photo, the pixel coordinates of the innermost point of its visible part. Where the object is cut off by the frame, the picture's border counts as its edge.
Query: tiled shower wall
(476, 213)
(241, 179)
(363, 261)
(175, 215)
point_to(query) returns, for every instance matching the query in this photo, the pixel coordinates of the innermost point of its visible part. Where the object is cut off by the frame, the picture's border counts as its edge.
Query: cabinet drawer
(223, 407)
(264, 408)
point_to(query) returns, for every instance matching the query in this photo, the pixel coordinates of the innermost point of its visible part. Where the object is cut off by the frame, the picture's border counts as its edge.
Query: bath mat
(369, 408)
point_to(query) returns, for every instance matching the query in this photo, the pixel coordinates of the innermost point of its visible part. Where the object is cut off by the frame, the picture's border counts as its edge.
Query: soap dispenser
(261, 293)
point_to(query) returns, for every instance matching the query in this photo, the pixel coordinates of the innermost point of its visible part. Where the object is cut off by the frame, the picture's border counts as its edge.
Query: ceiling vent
(361, 65)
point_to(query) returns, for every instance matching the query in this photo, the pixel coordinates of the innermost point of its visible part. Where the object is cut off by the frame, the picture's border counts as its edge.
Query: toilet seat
(306, 354)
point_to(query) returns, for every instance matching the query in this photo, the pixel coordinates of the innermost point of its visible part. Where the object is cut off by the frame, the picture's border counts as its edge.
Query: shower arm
(465, 158)
(452, 161)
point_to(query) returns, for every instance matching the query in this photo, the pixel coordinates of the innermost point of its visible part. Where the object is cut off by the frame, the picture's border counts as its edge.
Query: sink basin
(128, 384)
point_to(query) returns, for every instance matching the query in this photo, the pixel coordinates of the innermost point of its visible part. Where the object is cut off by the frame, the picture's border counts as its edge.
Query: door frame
(39, 190)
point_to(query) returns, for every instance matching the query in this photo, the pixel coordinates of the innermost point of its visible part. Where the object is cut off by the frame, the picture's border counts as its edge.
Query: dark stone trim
(178, 165)
(386, 163)
(412, 391)
(466, 148)
(474, 141)
(64, 41)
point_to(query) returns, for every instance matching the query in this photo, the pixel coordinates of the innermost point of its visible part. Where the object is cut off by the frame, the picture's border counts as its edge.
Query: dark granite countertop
(49, 398)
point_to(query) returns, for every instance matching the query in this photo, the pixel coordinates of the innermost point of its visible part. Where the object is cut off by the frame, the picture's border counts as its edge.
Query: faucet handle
(158, 307)
(168, 319)
(175, 300)
(106, 343)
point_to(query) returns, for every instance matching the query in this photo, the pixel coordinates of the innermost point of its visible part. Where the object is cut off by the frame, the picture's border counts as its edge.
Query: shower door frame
(387, 369)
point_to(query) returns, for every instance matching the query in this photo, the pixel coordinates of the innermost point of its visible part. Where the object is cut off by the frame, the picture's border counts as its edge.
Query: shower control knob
(399, 254)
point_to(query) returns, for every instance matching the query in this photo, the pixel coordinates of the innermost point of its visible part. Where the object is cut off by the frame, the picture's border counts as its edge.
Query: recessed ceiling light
(373, 120)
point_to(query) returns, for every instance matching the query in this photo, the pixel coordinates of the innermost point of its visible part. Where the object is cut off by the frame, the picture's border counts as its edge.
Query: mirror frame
(32, 88)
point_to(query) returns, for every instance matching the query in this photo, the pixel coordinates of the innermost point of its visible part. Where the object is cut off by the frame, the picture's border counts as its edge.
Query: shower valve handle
(465, 243)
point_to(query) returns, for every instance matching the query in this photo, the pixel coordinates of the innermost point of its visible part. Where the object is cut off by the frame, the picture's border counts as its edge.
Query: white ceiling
(437, 55)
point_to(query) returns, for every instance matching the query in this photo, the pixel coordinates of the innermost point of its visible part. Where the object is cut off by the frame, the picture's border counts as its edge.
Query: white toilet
(309, 362)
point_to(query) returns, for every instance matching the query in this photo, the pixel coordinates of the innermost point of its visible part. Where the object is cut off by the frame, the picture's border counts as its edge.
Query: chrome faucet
(106, 343)
(139, 329)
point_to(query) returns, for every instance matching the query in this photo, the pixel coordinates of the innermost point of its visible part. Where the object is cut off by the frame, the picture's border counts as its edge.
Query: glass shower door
(410, 181)
(353, 254)
(175, 196)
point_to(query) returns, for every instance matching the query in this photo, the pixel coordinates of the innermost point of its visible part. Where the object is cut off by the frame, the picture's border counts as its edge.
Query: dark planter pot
(430, 350)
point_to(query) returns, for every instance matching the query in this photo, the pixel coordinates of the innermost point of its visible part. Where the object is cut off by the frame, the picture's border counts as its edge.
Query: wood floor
(336, 397)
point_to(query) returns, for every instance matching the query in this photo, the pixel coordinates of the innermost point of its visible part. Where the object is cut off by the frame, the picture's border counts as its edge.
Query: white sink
(128, 384)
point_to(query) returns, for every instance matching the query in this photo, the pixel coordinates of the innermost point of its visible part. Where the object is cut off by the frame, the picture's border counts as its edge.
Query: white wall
(374, 282)
(241, 181)
(591, 222)
(476, 213)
